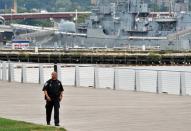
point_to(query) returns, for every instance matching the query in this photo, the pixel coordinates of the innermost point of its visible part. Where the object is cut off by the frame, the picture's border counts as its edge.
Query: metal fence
(146, 80)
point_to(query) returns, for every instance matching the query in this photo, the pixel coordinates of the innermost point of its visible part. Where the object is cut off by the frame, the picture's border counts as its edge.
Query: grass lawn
(11, 125)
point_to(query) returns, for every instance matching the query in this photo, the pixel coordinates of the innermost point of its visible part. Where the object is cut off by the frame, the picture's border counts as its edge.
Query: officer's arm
(47, 96)
(61, 95)
(45, 91)
(61, 91)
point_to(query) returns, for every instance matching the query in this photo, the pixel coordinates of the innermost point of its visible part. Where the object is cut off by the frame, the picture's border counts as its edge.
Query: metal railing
(134, 79)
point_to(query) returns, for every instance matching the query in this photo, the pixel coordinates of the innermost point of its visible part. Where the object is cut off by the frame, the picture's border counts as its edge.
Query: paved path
(86, 109)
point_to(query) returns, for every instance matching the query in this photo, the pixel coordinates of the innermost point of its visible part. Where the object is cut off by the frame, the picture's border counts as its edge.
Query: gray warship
(128, 24)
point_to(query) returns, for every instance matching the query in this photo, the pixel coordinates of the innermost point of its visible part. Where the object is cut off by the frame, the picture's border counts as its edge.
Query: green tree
(50, 5)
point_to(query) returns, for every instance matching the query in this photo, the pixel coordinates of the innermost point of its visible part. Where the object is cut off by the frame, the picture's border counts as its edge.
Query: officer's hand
(61, 98)
(48, 98)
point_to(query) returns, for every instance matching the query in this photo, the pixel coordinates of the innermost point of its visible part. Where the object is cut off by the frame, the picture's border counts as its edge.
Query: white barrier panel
(47, 73)
(86, 76)
(145, 82)
(106, 76)
(188, 83)
(171, 82)
(126, 79)
(35, 77)
(68, 76)
(18, 73)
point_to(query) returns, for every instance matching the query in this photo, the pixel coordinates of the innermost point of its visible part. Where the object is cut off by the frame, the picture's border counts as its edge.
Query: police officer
(53, 91)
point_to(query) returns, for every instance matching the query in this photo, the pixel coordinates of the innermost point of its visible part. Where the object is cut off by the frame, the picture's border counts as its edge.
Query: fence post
(4, 71)
(77, 77)
(137, 80)
(59, 72)
(11, 72)
(182, 84)
(41, 74)
(96, 77)
(23, 74)
(159, 82)
(55, 67)
(116, 79)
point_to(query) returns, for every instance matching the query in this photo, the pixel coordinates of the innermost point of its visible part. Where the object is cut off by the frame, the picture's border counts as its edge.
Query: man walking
(53, 91)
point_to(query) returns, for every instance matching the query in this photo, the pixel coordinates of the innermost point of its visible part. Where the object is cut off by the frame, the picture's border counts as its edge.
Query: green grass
(11, 125)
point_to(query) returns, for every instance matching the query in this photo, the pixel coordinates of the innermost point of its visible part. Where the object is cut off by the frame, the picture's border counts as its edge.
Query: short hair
(54, 72)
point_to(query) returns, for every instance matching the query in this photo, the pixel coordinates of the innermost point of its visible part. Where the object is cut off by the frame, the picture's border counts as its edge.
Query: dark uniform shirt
(53, 88)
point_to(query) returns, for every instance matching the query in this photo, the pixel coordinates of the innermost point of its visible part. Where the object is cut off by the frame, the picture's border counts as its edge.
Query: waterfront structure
(126, 24)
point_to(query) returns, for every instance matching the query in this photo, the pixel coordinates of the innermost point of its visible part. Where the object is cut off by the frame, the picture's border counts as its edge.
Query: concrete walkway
(86, 109)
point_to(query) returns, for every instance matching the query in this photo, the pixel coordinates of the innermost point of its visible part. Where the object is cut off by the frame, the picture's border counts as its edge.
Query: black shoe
(57, 125)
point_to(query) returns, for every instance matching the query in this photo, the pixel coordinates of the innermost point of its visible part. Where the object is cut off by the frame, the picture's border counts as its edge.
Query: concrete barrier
(136, 77)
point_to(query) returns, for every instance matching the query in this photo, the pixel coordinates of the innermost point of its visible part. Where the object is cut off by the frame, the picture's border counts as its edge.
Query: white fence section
(146, 80)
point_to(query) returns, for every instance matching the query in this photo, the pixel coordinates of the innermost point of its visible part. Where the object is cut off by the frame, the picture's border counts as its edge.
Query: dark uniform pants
(49, 107)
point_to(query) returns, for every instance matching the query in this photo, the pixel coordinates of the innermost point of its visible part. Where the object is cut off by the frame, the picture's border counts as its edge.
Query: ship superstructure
(128, 23)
